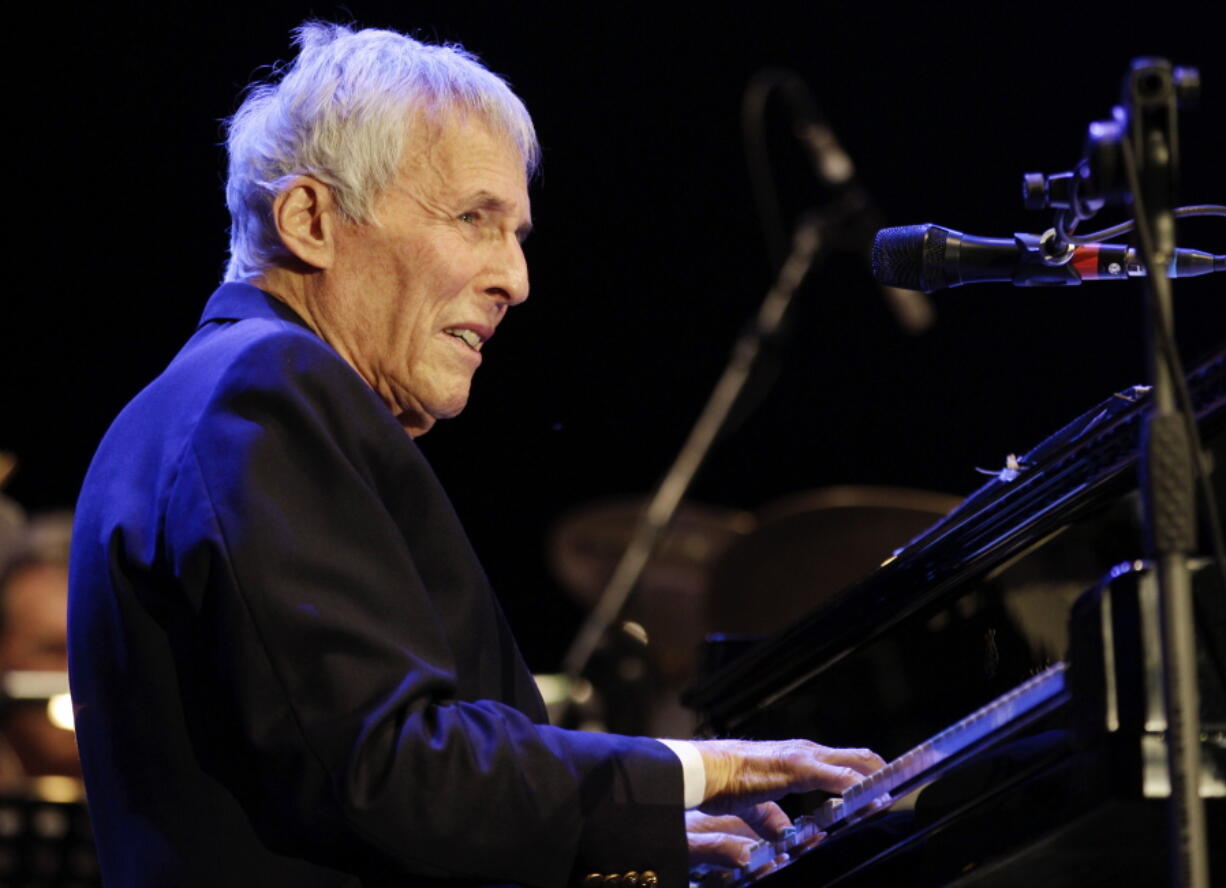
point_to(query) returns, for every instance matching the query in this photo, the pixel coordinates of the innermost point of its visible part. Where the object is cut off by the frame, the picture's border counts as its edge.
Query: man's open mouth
(469, 338)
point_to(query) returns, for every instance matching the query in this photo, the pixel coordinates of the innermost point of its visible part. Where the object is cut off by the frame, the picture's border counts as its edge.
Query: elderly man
(287, 663)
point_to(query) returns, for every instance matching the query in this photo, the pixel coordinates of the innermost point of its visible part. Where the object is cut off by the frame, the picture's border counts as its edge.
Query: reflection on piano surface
(970, 612)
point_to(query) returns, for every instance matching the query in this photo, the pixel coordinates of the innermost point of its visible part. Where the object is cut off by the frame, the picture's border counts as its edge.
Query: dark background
(647, 258)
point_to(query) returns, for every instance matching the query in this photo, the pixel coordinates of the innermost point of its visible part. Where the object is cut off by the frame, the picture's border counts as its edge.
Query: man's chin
(419, 420)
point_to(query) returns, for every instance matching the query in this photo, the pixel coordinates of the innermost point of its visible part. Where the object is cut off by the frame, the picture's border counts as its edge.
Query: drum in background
(807, 547)
(651, 654)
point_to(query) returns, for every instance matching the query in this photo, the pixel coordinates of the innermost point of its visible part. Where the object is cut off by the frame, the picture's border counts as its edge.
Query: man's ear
(306, 217)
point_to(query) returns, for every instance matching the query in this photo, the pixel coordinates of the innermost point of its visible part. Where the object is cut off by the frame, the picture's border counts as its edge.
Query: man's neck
(302, 293)
(294, 290)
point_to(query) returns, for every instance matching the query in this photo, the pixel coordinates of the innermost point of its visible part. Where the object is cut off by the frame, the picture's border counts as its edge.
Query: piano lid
(1067, 476)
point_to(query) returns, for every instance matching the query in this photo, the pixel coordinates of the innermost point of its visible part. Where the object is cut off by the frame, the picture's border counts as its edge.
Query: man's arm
(361, 679)
(353, 657)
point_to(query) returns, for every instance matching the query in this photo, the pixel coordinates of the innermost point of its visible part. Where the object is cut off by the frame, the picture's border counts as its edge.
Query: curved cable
(1128, 225)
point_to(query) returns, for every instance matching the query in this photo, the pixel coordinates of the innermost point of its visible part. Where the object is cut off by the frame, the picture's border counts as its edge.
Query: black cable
(761, 174)
(1127, 225)
(778, 243)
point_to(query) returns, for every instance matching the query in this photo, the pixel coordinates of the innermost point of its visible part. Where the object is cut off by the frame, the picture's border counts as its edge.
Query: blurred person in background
(34, 639)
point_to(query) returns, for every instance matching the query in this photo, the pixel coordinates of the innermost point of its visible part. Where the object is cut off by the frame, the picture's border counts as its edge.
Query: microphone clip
(1152, 91)
(1052, 249)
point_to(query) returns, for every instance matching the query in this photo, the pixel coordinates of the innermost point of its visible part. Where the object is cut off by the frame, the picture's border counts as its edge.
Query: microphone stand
(1169, 507)
(1134, 157)
(807, 243)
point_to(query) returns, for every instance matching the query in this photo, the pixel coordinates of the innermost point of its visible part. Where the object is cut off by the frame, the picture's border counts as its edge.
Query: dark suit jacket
(287, 664)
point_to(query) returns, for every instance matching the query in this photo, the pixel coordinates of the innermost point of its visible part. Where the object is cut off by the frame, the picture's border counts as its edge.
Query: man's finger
(698, 822)
(829, 768)
(766, 820)
(862, 761)
(720, 849)
(742, 772)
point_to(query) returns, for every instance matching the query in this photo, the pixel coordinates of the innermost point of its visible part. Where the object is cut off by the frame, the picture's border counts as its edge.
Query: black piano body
(970, 609)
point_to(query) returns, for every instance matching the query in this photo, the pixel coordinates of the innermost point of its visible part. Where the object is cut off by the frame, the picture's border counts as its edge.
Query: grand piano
(1005, 661)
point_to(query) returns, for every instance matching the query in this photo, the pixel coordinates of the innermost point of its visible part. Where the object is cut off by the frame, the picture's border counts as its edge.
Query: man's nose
(511, 278)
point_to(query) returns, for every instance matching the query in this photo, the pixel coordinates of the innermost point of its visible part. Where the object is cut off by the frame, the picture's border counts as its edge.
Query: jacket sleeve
(324, 656)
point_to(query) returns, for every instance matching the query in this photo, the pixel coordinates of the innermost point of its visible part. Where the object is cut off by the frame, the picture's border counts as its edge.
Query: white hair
(341, 113)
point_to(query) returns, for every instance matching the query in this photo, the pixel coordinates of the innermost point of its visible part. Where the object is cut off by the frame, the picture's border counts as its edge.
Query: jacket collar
(235, 301)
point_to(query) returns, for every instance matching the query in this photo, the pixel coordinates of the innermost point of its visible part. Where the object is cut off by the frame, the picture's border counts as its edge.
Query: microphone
(833, 167)
(929, 258)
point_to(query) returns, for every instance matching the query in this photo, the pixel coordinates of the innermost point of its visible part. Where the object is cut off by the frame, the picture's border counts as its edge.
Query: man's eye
(470, 218)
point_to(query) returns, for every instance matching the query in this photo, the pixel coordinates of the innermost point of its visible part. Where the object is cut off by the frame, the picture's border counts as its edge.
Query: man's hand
(743, 773)
(728, 840)
(743, 778)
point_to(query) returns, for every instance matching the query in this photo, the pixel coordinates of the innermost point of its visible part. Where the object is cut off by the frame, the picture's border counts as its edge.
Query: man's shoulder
(235, 373)
(247, 337)
(222, 360)
(252, 351)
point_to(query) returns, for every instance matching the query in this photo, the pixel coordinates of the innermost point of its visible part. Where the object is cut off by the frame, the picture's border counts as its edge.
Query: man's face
(414, 296)
(35, 605)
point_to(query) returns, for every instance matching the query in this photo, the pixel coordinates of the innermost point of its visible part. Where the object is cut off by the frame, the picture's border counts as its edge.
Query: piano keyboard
(898, 778)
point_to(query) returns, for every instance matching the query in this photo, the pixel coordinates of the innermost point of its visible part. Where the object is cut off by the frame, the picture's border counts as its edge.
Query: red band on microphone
(1085, 261)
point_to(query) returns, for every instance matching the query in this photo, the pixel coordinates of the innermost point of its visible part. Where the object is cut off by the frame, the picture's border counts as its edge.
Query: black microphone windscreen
(898, 256)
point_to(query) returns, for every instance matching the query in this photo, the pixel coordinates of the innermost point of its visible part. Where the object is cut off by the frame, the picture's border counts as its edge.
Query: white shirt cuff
(694, 773)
